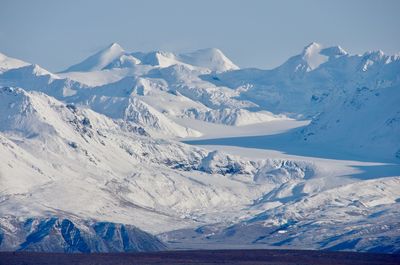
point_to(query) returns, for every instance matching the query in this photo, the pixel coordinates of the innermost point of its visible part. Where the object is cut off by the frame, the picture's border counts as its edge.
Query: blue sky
(56, 34)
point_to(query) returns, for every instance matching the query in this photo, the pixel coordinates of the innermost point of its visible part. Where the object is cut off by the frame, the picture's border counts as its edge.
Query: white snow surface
(312, 145)
(7, 63)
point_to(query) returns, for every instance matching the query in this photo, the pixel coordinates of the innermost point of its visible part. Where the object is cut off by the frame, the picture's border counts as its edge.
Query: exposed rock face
(61, 234)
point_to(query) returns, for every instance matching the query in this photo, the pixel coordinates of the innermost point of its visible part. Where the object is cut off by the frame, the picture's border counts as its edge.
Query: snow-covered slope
(308, 83)
(130, 86)
(7, 63)
(351, 99)
(357, 217)
(34, 77)
(64, 155)
(96, 144)
(367, 121)
(311, 58)
(114, 56)
(236, 117)
(212, 59)
(99, 60)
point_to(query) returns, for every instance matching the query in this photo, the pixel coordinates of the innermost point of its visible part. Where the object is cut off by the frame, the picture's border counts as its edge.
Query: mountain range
(102, 157)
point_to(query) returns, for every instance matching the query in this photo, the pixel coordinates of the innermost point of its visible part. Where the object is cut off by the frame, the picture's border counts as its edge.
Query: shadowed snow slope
(54, 234)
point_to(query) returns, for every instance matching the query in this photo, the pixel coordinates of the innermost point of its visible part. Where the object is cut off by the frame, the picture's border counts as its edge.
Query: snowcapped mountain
(133, 92)
(91, 156)
(367, 120)
(114, 56)
(65, 146)
(313, 80)
(311, 58)
(99, 60)
(7, 63)
(351, 99)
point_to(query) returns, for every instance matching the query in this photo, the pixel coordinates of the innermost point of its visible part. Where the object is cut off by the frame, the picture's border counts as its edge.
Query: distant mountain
(114, 56)
(369, 119)
(351, 99)
(99, 60)
(313, 80)
(7, 63)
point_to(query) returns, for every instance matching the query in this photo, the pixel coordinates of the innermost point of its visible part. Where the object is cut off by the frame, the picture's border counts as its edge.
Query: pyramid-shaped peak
(115, 46)
(99, 60)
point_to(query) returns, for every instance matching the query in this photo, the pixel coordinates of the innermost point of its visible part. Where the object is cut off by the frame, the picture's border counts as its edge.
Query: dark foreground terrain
(278, 257)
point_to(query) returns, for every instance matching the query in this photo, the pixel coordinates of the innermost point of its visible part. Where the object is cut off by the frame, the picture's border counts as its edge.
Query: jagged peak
(380, 56)
(312, 47)
(315, 47)
(334, 51)
(376, 54)
(22, 93)
(38, 70)
(312, 56)
(12, 90)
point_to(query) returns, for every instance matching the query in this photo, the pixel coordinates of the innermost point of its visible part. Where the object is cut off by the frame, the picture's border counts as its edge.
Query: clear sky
(56, 34)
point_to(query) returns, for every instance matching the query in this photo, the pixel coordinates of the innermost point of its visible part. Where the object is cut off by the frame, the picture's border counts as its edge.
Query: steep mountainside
(54, 234)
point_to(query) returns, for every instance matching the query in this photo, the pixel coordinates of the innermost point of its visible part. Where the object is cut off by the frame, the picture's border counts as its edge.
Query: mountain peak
(377, 54)
(312, 57)
(312, 47)
(99, 60)
(211, 58)
(29, 70)
(114, 47)
(7, 63)
(334, 51)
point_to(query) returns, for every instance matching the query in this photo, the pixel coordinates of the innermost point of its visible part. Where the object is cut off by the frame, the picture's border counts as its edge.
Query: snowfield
(127, 146)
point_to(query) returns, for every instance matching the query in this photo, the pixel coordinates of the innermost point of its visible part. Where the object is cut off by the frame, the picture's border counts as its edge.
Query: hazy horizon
(263, 34)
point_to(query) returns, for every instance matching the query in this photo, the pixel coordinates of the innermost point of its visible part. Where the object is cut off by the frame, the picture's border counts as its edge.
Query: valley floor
(234, 257)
